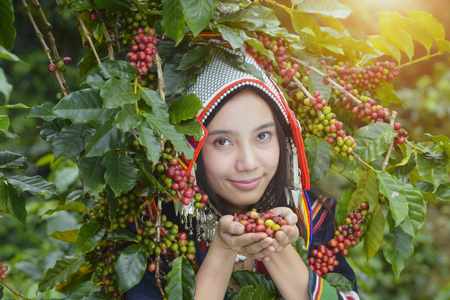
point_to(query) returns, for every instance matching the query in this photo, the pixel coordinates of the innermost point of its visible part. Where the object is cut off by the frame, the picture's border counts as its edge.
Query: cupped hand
(230, 235)
(288, 233)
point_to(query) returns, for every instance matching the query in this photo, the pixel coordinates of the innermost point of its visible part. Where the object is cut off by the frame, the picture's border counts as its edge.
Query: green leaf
(234, 36)
(443, 191)
(433, 167)
(97, 31)
(4, 54)
(399, 37)
(88, 290)
(181, 280)
(120, 235)
(442, 141)
(75, 206)
(366, 191)
(84, 106)
(4, 123)
(127, 119)
(51, 128)
(112, 202)
(417, 209)
(116, 68)
(374, 234)
(325, 7)
(130, 267)
(184, 108)
(11, 106)
(343, 206)
(394, 192)
(12, 160)
(118, 92)
(428, 22)
(70, 142)
(148, 139)
(121, 172)
(3, 196)
(339, 282)
(43, 111)
(299, 246)
(157, 104)
(113, 5)
(247, 278)
(62, 271)
(69, 236)
(198, 13)
(144, 169)
(256, 292)
(414, 28)
(105, 139)
(5, 87)
(373, 140)
(169, 133)
(173, 20)
(79, 5)
(7, 30)
(16, 204)
(35, 185)
(386, 94)
(178, 81)
(92, 171)
(195, 57)
(319, 155)
(397, 252)
(89, 236)
(385, 45)
(189, 127)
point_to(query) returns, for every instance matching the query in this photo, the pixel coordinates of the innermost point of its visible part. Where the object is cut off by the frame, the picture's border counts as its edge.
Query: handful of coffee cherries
(267, 222)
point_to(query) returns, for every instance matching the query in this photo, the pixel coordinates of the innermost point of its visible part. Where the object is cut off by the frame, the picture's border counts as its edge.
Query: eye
(264, 136)
(222, 142)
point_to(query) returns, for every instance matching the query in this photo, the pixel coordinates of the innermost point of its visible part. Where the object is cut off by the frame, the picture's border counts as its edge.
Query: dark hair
(274, 195)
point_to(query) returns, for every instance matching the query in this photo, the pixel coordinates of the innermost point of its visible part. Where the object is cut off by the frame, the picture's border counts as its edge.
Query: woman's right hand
(230, 235)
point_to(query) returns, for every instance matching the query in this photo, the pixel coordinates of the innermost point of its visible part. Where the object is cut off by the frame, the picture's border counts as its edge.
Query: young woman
(251, 155)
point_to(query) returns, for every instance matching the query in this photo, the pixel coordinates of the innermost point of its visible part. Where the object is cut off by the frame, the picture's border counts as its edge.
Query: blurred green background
(424, 89)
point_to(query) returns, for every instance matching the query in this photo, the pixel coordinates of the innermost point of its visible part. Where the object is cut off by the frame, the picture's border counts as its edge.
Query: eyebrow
(224, 131)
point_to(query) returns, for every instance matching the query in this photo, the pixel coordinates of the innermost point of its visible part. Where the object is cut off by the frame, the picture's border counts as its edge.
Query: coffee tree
(125, 128)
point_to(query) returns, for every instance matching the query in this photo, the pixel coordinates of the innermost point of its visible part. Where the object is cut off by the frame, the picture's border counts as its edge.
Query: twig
(391, 145)
(325, 76)
(87, 34)
(52, 42)
(60, 4)
(12, 290)
(161, 85)
(412, 146)
(305, 91)
(363, 162)
(47, 50)
(342, 173)
(117, 37)
(106, 34)
(158, 229)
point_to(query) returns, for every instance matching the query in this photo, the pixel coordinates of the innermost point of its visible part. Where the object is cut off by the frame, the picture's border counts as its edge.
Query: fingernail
(239, 230)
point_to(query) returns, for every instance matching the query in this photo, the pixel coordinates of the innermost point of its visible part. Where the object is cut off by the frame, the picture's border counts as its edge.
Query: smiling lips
(247, 184)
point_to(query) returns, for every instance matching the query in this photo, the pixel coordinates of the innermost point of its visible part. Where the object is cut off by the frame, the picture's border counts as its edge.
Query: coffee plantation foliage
(118, 121)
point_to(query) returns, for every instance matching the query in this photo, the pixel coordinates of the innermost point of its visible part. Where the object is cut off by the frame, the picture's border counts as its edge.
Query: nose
(247, 159)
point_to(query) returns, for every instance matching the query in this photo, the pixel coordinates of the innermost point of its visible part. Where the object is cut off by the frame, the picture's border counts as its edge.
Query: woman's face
(241, 152)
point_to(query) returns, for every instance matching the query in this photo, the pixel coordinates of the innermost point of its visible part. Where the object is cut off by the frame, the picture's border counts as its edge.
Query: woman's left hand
(288, 233)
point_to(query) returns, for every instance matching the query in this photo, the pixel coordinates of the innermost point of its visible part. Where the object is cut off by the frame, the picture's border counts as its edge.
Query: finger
(259, 247)
(287, 214)
(239, 242)
(227, 225)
